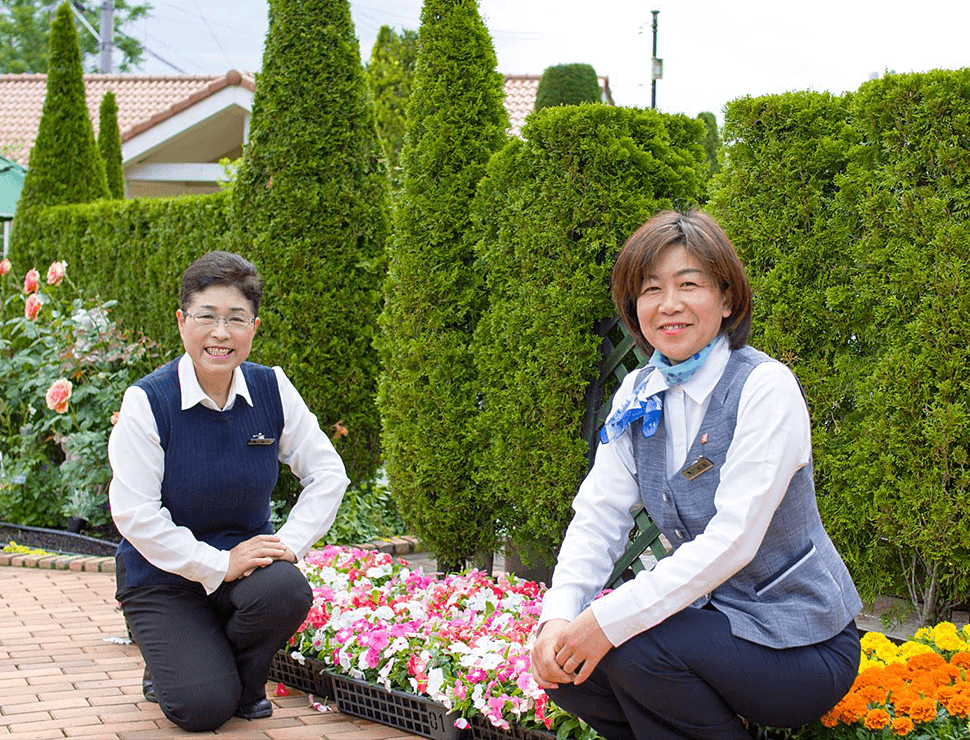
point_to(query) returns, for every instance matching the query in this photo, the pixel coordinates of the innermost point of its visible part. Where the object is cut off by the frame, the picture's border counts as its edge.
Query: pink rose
(33, 307)
(4, 266)
(58, 395)
(31, 281)
(55, 273)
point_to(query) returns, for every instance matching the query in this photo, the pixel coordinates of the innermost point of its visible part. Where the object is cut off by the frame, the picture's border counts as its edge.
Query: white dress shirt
(771, 443)
(138, 465)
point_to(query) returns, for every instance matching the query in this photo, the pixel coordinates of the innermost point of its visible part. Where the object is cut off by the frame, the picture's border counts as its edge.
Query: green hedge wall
(132, 251)
(851, 214)
(555, 209)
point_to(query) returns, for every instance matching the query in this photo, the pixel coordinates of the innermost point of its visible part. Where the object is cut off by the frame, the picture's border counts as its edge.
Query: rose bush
(65, 365)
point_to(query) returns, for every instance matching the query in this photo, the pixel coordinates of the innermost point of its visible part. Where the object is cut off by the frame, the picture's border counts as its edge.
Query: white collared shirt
(138, 466)
(772, 441)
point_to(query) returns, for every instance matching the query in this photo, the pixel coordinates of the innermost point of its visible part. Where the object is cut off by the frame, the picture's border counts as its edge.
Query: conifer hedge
(456, 119)
(310, 207)
(555, 210)
(567, 84)
(109, 145)
(65, 166)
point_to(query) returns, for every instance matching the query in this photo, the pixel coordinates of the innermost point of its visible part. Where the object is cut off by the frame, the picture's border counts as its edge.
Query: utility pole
(107, 36)
(656, 65)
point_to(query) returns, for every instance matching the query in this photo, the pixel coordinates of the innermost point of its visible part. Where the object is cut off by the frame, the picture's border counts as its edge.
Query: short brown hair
(222, 268)
(706, 242)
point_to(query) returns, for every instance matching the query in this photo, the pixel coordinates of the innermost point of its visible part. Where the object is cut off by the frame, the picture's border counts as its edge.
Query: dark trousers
(210, 653)
(689, 677)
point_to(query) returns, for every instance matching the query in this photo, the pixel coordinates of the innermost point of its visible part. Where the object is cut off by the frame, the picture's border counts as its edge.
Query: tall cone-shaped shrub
(65, 166)
(109, 144)
(310, 207)
(456, 119)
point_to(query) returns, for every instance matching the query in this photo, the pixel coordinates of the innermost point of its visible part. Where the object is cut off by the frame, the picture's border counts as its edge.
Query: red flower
(31, 281)
(32, 308)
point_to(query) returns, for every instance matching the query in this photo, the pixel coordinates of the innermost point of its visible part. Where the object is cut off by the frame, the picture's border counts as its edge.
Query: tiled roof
(143, 101)
(520, 98)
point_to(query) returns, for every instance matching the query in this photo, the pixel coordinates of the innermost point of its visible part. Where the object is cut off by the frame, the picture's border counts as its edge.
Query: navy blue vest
(214, 484)
(796, 590)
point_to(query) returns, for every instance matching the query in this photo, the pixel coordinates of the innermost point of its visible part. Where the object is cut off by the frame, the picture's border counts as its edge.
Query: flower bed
(461, 641)
(448, 657)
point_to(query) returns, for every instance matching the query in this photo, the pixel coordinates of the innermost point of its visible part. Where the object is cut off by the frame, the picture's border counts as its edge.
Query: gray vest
(796, 590)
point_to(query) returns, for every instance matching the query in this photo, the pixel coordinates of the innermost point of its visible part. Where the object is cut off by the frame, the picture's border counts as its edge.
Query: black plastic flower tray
(308, 677)
(482, 729)
(415, 714)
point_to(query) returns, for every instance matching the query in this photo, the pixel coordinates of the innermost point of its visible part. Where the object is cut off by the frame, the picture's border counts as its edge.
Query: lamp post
(656, 65)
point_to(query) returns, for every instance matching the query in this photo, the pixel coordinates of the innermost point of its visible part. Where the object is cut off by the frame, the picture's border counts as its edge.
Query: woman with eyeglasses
(210, 592)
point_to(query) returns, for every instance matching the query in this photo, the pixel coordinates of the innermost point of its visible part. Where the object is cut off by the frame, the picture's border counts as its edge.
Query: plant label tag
(700, 465)
(258, 440)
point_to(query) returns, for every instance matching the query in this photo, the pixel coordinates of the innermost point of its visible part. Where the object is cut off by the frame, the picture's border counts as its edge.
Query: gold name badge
(700, 465)
(258, 440)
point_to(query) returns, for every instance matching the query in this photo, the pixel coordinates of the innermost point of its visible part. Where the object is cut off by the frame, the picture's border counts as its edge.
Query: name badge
(258, 440)
(700, 465)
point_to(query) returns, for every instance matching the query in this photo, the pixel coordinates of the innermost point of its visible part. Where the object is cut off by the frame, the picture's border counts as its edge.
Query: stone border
(90, 564)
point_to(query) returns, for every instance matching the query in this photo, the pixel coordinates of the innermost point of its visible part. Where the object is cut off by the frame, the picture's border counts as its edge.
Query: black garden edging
(56, 541)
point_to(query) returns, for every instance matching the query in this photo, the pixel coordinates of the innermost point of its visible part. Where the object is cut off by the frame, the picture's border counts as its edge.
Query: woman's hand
(257, 552)
(567, 652)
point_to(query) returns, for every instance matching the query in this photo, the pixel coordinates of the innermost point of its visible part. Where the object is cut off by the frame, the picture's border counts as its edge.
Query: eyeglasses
(208, 320)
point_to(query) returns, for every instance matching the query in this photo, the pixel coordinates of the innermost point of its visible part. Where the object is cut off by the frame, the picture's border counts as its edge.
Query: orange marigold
(903, 700)
(902, 726)
(923, 710)
(853, 709)
(831, 718)
(957, 704)
(876, 719)
(961, 660)
(925, 661)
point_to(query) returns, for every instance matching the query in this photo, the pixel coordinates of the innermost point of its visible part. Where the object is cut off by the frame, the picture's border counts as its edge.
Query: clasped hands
(567, 652)
(256, 552)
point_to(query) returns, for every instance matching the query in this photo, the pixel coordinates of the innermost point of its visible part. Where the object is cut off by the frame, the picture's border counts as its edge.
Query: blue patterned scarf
(649, 407)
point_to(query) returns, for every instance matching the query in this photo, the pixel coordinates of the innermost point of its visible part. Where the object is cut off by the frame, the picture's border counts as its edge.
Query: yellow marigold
(876, 719)
(911, 649)
(902, 726)
(923, 710)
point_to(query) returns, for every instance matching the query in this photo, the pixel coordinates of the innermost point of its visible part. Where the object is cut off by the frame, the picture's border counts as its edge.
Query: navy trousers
(210, 653)
(689, 677)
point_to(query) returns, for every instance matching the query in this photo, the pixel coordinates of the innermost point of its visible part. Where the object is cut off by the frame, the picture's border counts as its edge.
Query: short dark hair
(222, 268)
(706, 242)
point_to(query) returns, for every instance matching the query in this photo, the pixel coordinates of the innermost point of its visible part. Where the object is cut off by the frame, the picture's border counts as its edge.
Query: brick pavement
(62, 676)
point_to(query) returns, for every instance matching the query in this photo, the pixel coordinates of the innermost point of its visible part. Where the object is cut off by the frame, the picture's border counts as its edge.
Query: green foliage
(555, 210)
(712, 142)
(390, 75)
(24, 26)
(65, 166)
(456, 119)
(109, 145)
(310, 209)
(909, 190)
(54, 464)
(567, 84)
(851, 214)
(367, 512)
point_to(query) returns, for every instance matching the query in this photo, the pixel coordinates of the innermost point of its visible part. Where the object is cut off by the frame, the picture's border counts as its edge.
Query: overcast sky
(713, 50)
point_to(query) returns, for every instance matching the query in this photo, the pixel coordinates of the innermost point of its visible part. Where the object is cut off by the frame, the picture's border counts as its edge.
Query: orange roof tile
(143, 101)
(520, 98)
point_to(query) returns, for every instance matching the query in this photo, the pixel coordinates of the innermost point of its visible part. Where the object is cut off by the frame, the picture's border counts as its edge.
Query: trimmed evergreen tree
(567, 84)
(390, 75)
(65, 166)
(711, 142)
(310, 207)
(109, 144)
(455, 121)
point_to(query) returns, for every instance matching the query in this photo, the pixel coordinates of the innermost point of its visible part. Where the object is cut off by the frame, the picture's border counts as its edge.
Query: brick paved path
(59, 677)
